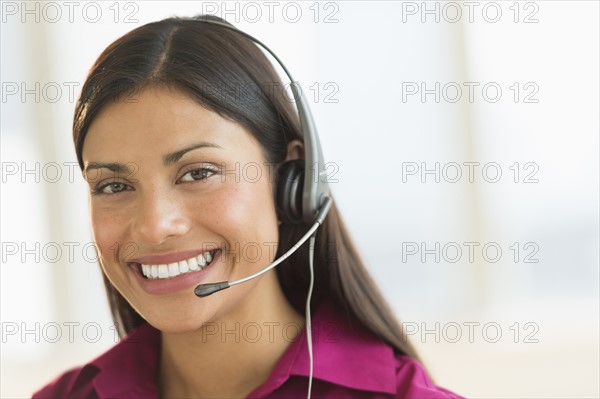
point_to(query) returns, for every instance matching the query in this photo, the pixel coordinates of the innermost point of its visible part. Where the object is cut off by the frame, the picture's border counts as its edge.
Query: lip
(171, 285)
(169, 258)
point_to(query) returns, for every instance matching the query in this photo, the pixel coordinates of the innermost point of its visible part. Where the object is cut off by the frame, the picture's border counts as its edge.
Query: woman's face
(171, 180)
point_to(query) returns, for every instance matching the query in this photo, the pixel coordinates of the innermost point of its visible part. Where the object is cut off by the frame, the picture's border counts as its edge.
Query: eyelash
(99, 189)
(211, 170)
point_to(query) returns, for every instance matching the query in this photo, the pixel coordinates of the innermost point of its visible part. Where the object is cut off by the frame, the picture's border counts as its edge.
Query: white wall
(372, 53)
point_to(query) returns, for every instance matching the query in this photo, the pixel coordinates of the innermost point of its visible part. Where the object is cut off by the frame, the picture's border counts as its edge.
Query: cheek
(108, 235)
(246, 212)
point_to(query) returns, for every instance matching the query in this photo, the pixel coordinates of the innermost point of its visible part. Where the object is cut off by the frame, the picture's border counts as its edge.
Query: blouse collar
(343, 353)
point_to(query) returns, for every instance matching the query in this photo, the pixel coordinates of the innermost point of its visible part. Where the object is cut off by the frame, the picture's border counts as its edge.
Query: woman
(183, 164)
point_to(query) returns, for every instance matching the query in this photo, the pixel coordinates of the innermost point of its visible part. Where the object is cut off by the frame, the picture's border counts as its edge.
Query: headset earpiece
(290, 181)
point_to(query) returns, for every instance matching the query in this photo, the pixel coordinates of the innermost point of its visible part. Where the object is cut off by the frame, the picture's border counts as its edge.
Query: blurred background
(464, 137)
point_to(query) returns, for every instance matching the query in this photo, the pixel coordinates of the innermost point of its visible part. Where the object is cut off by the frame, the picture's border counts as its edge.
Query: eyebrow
(168, 159)
(175, 156)
(112, 166)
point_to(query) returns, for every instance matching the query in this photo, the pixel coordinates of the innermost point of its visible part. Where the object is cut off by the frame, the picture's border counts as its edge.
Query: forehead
(159, 120)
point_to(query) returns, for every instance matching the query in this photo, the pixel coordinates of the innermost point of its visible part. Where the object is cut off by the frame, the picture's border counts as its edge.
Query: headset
(302, 196)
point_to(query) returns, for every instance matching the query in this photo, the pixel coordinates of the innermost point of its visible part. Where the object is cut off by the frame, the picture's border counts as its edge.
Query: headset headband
(315, 188)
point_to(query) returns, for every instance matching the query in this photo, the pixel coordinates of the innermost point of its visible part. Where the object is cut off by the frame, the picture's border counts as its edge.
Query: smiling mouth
(174, 269)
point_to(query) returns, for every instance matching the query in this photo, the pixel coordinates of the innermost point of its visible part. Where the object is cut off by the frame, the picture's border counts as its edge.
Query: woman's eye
(197, 174)
(110, 188)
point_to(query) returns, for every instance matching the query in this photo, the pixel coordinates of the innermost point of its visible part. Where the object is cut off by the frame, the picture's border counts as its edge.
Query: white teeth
(183, 266)
(163, 271)
(193, 264)
(176, 268)
(173, 269)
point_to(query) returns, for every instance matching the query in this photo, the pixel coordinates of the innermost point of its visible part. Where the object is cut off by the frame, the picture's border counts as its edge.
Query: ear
(295, 150)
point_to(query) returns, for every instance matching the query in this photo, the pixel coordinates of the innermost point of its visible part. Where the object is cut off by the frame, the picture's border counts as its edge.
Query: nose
(160, 216)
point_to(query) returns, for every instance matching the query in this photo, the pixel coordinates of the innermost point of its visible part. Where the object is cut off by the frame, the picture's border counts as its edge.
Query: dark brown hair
(228, 74)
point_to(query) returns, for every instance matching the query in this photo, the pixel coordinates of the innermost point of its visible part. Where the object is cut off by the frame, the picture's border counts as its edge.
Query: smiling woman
(173, 204)
(178, 202)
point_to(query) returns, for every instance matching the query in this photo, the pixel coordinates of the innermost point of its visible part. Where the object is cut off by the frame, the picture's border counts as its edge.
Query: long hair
(228, 74)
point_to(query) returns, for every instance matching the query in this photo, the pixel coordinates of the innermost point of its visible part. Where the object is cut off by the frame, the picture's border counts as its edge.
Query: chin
(177, 317)
(176, 323)
(180, 327)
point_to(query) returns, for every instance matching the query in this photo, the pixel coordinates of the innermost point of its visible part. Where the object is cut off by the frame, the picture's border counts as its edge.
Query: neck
(231, 356)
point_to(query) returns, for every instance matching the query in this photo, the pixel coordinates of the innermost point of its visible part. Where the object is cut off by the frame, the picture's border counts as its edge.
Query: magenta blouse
(349, 362)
